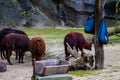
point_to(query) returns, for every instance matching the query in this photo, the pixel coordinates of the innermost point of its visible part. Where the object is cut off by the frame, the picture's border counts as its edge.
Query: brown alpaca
(37, 47)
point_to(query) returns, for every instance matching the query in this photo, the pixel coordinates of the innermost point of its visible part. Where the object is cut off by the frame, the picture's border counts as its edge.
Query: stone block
(54, 77)
(51, 67)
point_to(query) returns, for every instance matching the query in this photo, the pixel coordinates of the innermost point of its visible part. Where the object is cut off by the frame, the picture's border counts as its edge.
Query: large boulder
(12, 12)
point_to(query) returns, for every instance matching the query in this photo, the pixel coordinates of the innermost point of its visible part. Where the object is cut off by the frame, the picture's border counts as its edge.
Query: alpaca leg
(21, 57)
(17, 54)
(8, 54)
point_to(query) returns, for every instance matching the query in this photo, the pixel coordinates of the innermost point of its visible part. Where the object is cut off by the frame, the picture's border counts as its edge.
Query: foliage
(14, 2)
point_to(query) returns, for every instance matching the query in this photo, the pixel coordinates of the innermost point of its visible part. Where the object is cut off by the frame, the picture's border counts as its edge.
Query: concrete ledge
(54, 77)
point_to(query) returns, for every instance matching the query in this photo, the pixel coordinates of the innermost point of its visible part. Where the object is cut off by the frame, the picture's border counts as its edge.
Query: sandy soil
(111, 70)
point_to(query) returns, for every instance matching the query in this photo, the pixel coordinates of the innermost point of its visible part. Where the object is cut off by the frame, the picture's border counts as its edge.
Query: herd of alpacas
(18, 41)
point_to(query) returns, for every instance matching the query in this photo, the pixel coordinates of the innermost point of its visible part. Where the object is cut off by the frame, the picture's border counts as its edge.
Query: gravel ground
(111, 70)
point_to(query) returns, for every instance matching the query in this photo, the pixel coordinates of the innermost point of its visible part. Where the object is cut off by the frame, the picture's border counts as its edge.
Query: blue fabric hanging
(90, 25)
(103, 33)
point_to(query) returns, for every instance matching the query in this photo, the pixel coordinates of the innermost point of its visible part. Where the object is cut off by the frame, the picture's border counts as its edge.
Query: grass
(82, 73)
(114, 39)
(51, 34)
(51, 31)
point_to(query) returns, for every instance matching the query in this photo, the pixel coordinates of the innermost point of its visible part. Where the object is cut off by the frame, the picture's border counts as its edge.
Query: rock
(11, 12)
(3, 67)
(50, 12)
(50, 67)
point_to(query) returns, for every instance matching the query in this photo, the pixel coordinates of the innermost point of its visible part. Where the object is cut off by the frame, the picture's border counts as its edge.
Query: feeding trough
(50, 67)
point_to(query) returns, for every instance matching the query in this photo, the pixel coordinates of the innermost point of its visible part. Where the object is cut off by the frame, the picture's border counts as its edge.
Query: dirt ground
(111, 69)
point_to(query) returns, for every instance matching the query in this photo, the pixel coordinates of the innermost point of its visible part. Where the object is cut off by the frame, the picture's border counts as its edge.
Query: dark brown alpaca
(76, 41)
(12, 42)
(6, 31)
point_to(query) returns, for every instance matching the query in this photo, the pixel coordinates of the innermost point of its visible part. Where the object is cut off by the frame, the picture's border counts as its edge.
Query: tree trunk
(99, 51)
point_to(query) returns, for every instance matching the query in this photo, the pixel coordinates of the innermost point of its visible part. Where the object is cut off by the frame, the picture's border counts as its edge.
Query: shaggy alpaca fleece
(37, 47)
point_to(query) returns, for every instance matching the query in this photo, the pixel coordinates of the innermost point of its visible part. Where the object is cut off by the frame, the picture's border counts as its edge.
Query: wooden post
(99, 51)
(33, 64)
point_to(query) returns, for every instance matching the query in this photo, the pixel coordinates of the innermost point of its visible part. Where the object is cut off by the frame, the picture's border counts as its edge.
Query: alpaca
(37, 47)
